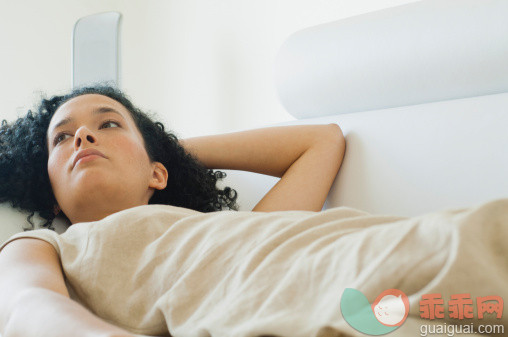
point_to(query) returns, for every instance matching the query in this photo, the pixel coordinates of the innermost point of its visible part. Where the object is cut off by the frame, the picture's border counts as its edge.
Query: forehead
(84, 105)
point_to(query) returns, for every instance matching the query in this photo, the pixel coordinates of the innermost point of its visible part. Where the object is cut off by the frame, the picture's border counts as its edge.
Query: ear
(159, 178)
(56, 209)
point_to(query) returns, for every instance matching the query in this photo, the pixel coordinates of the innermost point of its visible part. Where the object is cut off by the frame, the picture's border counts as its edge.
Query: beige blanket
(155, 268)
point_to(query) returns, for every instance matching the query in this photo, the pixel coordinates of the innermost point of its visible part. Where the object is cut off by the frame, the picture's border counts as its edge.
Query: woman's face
(97, 161)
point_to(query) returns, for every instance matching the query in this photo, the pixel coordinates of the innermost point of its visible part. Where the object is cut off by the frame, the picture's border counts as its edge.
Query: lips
(84, 153)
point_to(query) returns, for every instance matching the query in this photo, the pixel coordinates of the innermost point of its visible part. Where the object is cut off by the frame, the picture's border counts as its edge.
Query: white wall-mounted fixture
(95, 50)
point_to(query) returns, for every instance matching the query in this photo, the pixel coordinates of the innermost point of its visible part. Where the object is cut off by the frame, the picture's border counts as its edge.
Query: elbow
(331, 144)
(332, 135)
(335, 142)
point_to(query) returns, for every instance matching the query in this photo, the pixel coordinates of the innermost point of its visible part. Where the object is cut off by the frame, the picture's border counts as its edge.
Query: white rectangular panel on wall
(95, 49)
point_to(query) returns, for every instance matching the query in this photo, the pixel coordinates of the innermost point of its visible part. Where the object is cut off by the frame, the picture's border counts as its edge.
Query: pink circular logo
(391, 307)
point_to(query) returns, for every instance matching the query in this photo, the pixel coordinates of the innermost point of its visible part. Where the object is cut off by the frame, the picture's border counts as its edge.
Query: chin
(92, 179)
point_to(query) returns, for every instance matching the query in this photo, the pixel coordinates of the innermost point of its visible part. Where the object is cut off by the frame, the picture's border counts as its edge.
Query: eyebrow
(97, 111)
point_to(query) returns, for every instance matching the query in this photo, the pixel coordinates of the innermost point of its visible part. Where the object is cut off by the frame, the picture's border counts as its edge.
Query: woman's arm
(34, 299)
(305, 157)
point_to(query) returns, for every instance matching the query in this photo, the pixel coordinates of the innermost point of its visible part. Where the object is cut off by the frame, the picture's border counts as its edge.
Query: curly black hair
(24, 156)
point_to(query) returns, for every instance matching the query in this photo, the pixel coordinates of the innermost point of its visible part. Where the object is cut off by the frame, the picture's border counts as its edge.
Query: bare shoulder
(26, 249)
(31, 263)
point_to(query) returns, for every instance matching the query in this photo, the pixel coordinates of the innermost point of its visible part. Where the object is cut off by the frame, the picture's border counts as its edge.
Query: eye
(106, 123)
(59, 138)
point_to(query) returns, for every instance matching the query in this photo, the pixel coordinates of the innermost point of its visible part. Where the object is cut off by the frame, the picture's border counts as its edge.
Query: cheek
(131, 150)
(134, 163)
(56, 166)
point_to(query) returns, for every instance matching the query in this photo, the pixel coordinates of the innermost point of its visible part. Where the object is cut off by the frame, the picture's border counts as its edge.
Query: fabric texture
(159, 269)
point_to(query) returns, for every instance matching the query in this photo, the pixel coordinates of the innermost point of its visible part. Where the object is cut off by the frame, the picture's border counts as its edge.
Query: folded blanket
(156, 269)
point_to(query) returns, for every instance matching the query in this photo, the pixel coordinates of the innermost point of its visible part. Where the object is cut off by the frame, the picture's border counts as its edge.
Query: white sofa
(421, 94)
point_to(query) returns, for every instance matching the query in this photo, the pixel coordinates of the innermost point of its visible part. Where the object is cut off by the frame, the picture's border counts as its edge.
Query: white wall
(204, 66)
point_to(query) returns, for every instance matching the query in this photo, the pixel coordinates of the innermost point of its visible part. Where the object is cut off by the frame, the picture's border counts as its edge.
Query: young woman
(91, 154)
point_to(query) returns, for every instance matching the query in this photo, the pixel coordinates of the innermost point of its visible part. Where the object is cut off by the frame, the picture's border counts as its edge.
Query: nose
(84, 135)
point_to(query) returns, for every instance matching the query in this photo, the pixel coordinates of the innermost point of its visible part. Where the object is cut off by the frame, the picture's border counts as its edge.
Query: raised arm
(34, 299)
(305, 157)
